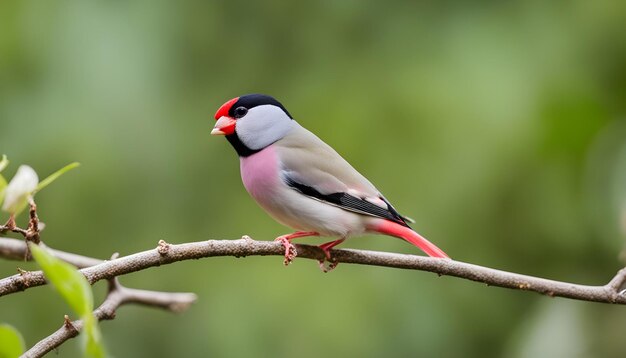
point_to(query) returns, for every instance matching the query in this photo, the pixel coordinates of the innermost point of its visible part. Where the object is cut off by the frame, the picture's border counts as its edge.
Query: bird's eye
(240, 112)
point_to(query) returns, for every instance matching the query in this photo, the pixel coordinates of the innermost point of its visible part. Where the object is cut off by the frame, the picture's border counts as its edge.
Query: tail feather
(391, 228)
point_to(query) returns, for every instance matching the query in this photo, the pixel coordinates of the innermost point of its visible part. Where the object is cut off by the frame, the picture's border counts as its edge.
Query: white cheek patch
(262, 126)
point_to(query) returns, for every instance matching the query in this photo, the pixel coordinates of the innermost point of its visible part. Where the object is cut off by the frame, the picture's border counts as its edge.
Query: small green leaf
(52, 177)
(3, 185)
(11, 342)
(4, 162)
(93, 345)
(76, 291)
(70, 283)
(3, 182)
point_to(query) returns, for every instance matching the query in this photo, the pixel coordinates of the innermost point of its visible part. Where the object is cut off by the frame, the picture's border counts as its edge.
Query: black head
(250, 101)
(252, 122)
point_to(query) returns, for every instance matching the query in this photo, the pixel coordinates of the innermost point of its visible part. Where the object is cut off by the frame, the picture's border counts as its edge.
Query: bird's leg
(326, 248)
(290, 250)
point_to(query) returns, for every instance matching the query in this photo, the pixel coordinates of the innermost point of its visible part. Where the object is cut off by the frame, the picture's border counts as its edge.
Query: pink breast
(260, 172)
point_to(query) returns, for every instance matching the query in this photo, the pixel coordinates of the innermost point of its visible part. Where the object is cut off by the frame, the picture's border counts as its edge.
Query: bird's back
(310, 160)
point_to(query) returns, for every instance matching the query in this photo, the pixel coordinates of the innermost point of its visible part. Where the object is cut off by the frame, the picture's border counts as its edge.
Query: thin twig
(12, 227)
(15, 249)
(617, 283)
(118, 295)
(32, 234)
(169, 253)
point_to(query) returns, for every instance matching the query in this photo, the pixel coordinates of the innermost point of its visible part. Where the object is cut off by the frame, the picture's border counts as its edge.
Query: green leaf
(4, 162)
(70, 283)
(3, 185)
(52, 177)
(3, 182)
(76, 291)
(93, 346)
(11, 342)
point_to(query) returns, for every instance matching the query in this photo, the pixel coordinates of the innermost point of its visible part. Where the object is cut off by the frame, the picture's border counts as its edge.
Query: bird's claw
(326, 248)
(331, 263)
(327, 268)
(290, 250)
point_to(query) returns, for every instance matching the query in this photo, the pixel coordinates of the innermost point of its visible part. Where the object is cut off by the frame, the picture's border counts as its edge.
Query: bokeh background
(499, 126)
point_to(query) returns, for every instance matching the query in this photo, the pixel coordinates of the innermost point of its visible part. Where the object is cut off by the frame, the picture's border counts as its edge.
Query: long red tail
(390, 228)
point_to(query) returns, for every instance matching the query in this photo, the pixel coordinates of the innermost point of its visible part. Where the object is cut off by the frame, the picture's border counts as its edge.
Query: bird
(303, 183)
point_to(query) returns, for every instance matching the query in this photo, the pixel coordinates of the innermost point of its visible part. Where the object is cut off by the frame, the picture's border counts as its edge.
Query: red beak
(224, 126)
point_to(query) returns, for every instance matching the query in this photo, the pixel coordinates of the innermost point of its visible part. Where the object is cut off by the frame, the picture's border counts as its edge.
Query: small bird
(302, 182)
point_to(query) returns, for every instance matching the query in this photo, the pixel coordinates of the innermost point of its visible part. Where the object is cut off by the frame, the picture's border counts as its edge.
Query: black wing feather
(349, 202)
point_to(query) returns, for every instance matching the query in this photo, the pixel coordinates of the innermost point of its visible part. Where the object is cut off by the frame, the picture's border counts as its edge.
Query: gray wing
(314, 169)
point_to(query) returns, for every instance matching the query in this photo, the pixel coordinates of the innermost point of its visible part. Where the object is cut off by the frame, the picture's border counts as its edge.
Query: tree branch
(15, 249)
(168, 253)
(118, 295)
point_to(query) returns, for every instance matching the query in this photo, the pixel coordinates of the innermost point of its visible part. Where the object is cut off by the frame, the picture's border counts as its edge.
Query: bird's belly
(260, 174)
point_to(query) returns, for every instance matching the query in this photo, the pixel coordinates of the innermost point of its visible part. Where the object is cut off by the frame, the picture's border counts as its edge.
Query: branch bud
(20, 189)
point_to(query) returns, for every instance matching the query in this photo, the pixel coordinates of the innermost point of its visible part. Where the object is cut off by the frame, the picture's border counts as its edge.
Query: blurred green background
(499, 126)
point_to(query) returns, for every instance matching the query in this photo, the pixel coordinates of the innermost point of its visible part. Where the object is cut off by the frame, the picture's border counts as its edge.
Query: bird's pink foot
(326, 248)
(327, 268)
(290, 250)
